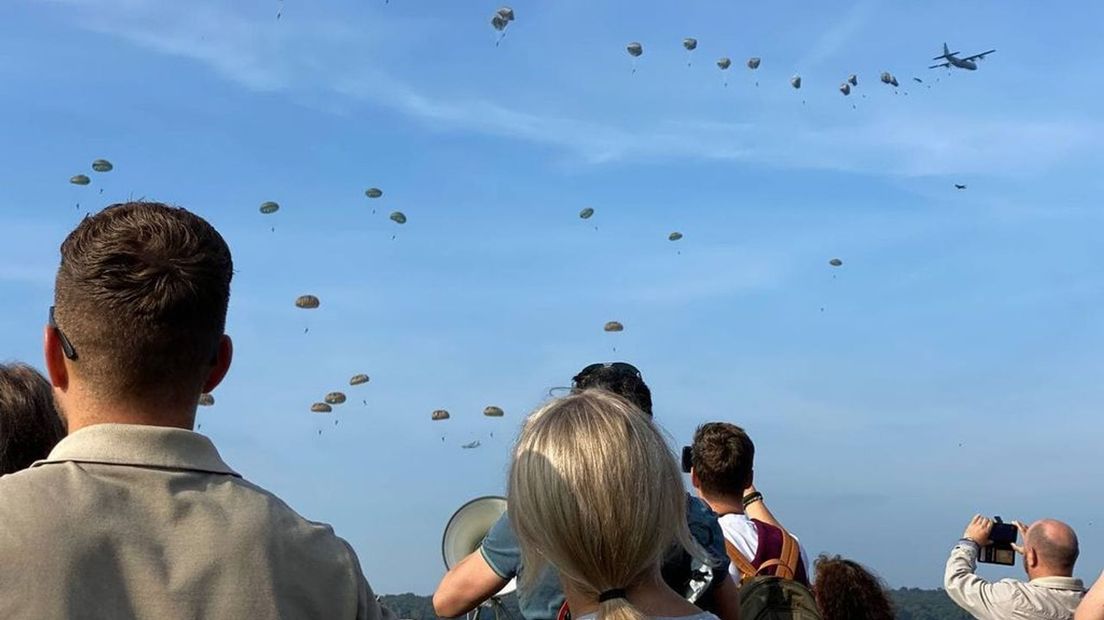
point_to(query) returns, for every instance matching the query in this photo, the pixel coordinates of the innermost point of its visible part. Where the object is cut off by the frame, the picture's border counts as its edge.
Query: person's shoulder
(275, 519)
(698, 510)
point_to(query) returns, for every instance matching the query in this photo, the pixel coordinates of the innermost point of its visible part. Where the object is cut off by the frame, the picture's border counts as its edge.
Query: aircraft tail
(946, 53)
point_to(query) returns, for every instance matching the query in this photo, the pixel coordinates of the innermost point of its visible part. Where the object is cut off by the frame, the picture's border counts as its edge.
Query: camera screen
(687, 460)
(1003, 533)
(1004, 556)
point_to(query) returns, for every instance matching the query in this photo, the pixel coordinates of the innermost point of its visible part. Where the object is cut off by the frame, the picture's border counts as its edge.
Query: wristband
(751, 498)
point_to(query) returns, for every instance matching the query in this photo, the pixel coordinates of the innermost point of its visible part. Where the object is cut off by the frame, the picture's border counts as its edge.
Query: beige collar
(1058, 583)
(141, 446)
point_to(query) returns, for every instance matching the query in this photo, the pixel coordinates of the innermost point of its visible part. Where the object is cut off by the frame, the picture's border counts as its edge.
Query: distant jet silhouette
(957, 186)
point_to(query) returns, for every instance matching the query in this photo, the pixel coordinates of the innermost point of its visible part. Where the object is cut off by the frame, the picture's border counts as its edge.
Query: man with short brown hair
(722, 461)
(133, 515)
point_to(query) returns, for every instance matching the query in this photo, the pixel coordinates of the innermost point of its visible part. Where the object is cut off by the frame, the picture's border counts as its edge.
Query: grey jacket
(1045, 598)
(124, 521)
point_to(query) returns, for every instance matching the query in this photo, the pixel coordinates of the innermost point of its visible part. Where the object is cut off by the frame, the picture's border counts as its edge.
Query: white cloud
(329, 57)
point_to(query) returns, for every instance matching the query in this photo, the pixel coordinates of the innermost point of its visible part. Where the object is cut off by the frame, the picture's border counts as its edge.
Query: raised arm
(466, 586)
(1092, 606)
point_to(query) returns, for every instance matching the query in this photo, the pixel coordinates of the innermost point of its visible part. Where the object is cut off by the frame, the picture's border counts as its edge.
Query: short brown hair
(29, 424)
(723, 457)
(141, 293)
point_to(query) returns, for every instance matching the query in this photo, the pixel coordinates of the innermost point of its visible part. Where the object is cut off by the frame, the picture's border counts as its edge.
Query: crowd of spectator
(111, 506)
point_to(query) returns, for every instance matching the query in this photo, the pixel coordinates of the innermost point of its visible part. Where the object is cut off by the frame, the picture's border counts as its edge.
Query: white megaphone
(464, 534)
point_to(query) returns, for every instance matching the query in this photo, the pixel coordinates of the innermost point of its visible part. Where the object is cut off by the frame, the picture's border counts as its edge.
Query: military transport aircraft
(952, 59)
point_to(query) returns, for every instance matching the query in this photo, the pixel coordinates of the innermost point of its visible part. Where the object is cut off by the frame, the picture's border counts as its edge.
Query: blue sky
(954, 368)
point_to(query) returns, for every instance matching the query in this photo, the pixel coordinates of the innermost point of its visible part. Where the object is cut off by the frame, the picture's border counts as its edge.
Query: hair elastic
(611, 594)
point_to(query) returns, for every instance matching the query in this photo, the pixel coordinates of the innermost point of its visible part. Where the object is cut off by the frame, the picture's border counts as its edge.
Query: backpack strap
(790, 556)
(747, 571)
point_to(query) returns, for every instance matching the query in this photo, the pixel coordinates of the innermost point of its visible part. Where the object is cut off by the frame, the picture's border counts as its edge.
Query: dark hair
(723, 457)
(846, 591)
(621, 379)
(29, 424)
(141, 293)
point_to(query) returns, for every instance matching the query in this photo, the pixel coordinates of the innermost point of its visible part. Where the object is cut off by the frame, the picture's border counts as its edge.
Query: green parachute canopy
(80, 179)
(358, 380)
(635, 49)
(690, 44)
(724, 63)
(206, 400)
(398, 217)
(373, 192)
(307, 302)
(269, 207)
(321, 408)
(614, 326)
(492, 411)
(102, 165)
(675, 236)
(440, 414)
(586, 213)
(753, 62)
(795, 81)
(835, 262)
(334, 398)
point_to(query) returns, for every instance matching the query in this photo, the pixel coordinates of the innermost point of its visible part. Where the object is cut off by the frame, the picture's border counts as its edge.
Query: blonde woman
(595, 492)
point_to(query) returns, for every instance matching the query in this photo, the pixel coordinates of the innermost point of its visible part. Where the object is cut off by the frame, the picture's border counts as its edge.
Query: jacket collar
(141, 446)
(1058, 583)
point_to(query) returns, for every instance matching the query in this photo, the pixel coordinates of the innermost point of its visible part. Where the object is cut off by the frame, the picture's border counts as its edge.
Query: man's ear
(55, 359)
(1031, 558)
(694, 479)
(222, 363)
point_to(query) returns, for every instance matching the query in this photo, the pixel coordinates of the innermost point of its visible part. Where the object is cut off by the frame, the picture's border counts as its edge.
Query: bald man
(1049, 553)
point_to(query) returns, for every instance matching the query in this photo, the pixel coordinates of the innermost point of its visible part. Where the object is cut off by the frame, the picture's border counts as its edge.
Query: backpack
(776, 596)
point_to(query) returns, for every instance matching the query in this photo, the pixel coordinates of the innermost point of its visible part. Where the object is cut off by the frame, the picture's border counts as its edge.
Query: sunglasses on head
(66, 346)
(619, 367)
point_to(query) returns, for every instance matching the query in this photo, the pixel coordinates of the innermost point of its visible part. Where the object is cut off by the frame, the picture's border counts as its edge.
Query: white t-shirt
(741, 532)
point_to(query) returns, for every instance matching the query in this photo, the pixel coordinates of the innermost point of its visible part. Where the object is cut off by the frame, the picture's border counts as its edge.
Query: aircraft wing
(946, 64)
(980, 56)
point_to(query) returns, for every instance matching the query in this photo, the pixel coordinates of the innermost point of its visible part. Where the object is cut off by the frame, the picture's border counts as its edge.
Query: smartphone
(999, 550)
(687, 459)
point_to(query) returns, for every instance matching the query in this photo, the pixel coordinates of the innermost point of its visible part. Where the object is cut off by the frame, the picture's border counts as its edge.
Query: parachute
(493, 412)
(269, 207)
(307, 302)
(845, 88)
(724, 63)
(795, 81)
(586, 213)
(80, 179)
(614, 326)
(398, 217)
(321, 408)
(373, 192)
(635, 49)
(102, 165)
(753, 62)
(853, 79)
(440, 414)
(675, 236)
(690, 44)
(358, 380)
(917, 80)
(334, 398)
(206, 400)
(835, 262)
(888, 78)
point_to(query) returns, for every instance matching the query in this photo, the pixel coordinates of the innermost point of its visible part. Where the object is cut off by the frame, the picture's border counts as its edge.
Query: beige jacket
(1045, 598)
(126, 521)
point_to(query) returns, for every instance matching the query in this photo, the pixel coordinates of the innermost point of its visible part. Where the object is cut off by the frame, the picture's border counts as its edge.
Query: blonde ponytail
(595, 492)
